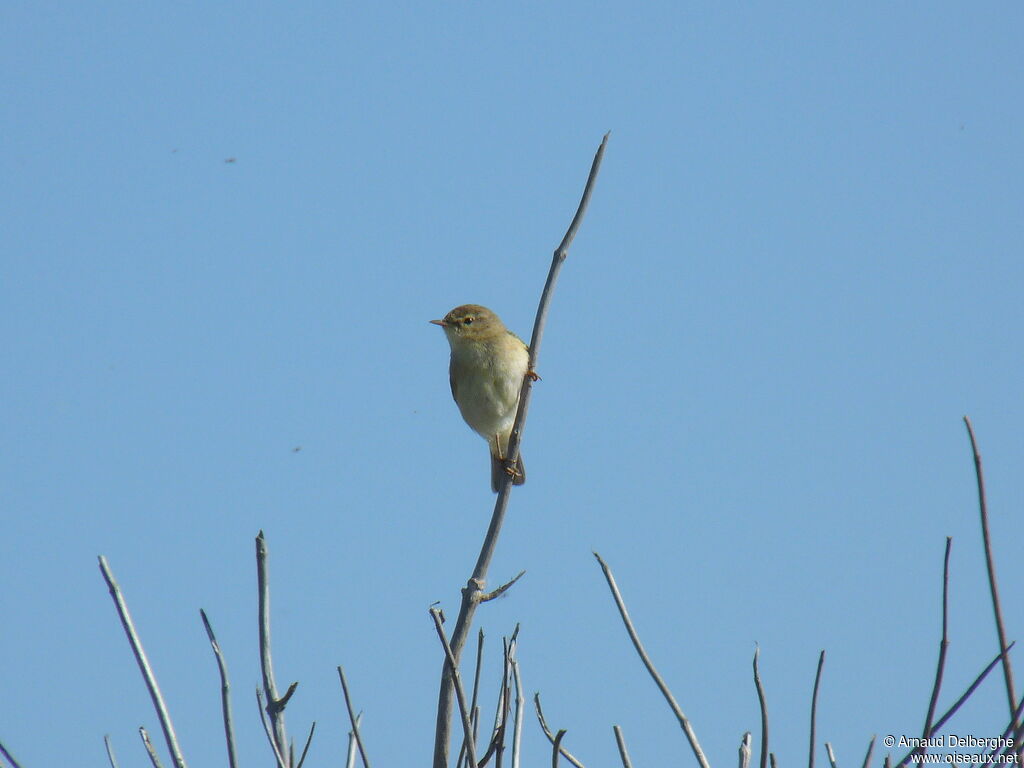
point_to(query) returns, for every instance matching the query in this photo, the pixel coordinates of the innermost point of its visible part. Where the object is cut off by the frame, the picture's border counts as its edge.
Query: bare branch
(350, 758)
(557, 747)
(517, 733)
(691, 736)
(352, 718)
(501, 590)
(764, 710)
(268, 729)
(745, 750)
(991, 565)
(814, 710)
(305, 749)
(771, 759)
(110, 750)
(225, 690)
(547, 732)
(153, 758)
(620, 741)
(473, 709)
(8, 756)
(460, 694)
(871, 748)
(147, 671)
(943, 645)
(831, 755)
(275, 706)
(471, 593)
(956, 705)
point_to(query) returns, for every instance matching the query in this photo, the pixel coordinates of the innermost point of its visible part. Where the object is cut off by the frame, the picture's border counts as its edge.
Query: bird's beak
(442, 323)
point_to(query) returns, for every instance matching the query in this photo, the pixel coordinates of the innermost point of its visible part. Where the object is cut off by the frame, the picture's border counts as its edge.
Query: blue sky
(800, 269)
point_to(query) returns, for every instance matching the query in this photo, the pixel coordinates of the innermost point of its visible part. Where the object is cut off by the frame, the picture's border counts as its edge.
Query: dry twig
(814, 710)
(225, 690)
(547, 732)
(620, 741)
(764, 710)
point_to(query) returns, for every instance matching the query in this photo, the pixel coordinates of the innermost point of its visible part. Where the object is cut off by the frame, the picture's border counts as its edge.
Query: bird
(488, 363)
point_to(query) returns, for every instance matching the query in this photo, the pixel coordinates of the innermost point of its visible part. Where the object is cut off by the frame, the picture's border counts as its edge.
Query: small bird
(486, 374)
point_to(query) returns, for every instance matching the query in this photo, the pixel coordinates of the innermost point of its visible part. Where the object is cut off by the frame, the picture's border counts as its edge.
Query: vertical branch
(225, 691)
(144, 735)
(943, 644)
(684, 723)
(471, 593)
(147, 671)
(517, 732)
(274, 705)
(814, 710)
(745, 750)
(110, 750)
(867, 757)
(467, 727)
(991, 565)
(350, 757)
(620, 741)
(556, 747)
(764, 711)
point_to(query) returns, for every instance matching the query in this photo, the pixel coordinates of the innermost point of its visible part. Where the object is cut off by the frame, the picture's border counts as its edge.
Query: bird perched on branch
(486, 374)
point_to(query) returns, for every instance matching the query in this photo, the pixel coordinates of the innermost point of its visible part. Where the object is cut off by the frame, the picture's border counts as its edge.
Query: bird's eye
(467, 321)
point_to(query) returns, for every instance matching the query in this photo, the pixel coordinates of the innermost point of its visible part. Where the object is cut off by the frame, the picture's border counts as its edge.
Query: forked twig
(557, 747)
(350, 757)
(268, 728)
(353, 719)
(943, 644)
(691, 736)
(547, 732)
(147, 672)
(764, 710)
(471, 593)
(814, 710)
(225, 691)
(460, 693)
(991, 566)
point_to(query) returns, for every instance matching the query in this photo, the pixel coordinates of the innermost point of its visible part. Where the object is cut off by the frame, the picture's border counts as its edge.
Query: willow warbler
(486, 374)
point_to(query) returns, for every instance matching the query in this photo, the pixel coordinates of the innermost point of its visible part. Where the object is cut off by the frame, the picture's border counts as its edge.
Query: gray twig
(473, 709)
(745, 750)
(943, 645)
(305, 749)
(471, 593)
(684, 723)
(460, 693)
(547, 732)
(10, 758)
(110, 750)
(871, 748)
(814, 710)
(225, 690)
(831, 755)
(147, 671)
(268, 729)
(501, 590)
(991, 566)
(764, 710)
(517, 733)
(557, 747)
(350, 758)
(352, 718)
(275, 706)
(620, 741)
(153, 758)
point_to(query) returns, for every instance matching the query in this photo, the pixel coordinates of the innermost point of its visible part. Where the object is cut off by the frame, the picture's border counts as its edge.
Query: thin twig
(691, 735)
(110, 750)
(771, 759)
(353, 719)
(517, 731)
(620, 741)
(473, 709)
(225, 690)
(268, 729)
(547, 732)
(472, 591)
(275, 706)
(990, 564)
(814, 710)
(305, 749)
(956, 704)
(943, 645)
(350, 757)
(10, 758)
(153, 758)
(557, 747)
(1004, 738)
(764, 710)
(460, 693)
(745, 750)
(147, 671)
(871, 748)
(501, 590)
(831, 755)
